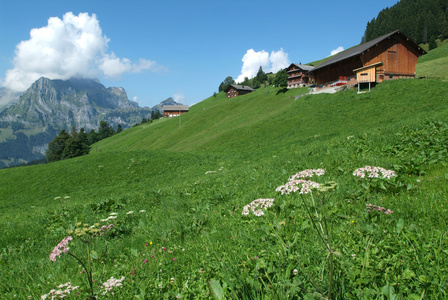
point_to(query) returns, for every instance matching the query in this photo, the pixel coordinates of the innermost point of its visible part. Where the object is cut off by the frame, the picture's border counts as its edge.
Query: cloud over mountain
(252, 61)
(73, 46)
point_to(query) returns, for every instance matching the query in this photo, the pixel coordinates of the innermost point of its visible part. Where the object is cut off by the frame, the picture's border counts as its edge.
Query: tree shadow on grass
(282, 91)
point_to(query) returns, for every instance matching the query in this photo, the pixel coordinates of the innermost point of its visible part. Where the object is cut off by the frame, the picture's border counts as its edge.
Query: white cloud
(337, 50)
(178, 97)
(73, 46)
(252, 61)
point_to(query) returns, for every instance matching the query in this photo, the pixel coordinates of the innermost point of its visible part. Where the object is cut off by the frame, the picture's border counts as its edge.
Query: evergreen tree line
(73, 144)
(154, 116)
(255, 83)
(423, 21)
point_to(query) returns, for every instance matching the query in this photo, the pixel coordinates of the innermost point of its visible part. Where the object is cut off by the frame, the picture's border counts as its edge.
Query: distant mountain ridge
(28, 122)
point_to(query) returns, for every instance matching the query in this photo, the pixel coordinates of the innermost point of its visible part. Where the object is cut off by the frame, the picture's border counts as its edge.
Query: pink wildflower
(104, 229)
(60, 248)
(174, 259)
(371, 207)
(145, 261)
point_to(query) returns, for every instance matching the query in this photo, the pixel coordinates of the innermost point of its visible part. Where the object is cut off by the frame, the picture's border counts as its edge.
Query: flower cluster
(307, 174)
(105, 228)
(60, 248)
(53, 294)
(371, 207)
(374, 172)
(262, 203)
(111, 217)
(302, 185)
(111, 283)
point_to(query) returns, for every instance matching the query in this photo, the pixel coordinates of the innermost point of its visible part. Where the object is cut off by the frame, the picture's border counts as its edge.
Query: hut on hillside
(234, 90)
(174, 110)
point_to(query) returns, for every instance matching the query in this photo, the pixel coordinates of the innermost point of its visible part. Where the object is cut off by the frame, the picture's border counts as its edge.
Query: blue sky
(181, 49)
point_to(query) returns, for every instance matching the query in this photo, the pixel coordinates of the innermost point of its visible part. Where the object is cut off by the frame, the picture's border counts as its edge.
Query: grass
(434, 63)
(179, 193)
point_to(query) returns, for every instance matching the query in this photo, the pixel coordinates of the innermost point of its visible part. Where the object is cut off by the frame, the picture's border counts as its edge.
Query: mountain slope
(30, 122)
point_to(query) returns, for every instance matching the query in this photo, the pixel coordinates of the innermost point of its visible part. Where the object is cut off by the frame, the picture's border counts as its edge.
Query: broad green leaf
(389, 292)
(400, 225)
(216, 289)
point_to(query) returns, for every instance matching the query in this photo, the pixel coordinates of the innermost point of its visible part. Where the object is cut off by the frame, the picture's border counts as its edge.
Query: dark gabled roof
(175, 108)
(357, 50)
(239, 88)
(302, 67)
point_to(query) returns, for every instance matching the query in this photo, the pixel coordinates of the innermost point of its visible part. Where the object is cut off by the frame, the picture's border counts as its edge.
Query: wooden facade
(298, 75)
(394, 56)
(235, 90)
(174, 110)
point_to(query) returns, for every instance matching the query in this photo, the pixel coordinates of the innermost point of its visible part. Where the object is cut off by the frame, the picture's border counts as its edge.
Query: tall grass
(186, 188)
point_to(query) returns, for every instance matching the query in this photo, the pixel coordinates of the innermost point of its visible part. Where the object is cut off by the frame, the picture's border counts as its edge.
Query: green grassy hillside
(434, 64)
(178, 187)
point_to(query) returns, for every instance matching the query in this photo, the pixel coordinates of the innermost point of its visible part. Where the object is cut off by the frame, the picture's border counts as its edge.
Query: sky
(181, 49)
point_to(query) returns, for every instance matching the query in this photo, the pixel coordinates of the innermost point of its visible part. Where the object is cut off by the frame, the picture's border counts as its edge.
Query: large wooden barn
(298, 75)
(390, 56)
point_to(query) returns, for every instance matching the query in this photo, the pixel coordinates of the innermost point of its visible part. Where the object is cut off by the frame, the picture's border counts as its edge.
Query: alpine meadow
(276, 194)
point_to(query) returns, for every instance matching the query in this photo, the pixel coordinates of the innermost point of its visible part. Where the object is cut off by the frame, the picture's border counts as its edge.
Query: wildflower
(292, 186)
(145, 261)
(60, 248)
(104, 229)
(172, 280)
(307, 174)
(263, 203)
(374, 172)
(258, 212)
(164, 248)
(295, 272)
(174, 259)
(371, 207)
(111, 283)
(61, 293)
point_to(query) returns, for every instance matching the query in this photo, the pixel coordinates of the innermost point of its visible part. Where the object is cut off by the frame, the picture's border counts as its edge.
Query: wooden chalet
(391, 56)
(174, 110)
(236, 90)
(298, 75)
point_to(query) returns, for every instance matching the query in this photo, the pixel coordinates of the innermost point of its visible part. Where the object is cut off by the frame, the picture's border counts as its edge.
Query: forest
(423, 21)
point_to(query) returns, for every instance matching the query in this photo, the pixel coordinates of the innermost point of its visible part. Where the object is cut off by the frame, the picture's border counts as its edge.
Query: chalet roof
(239, 88)
(357, 50)
(302, 67)
(175, 108)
